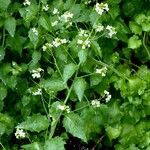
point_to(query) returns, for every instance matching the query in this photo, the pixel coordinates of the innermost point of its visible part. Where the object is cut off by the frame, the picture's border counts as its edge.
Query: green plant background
(69, 76)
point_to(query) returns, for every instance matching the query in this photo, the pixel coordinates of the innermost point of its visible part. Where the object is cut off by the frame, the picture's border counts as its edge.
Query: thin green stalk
(54, 125)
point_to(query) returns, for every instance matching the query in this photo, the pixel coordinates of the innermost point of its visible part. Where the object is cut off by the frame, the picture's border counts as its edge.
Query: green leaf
(53, 84)
(33, 37)
(32, 146)
(79, 87)
(146, 26)
(10, 25)
(4, 4)
(134, 42)
(35, 123)
(113, 132)
(69, 70)
(95, 46)
(44, 21)
(135, 28)
(56, 143)
(74, 125)
(2, 53)
(3, 92)
(82, 54)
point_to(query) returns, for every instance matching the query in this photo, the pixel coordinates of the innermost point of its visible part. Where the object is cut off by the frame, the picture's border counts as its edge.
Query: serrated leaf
(135, 28)
(95, 46)
(134, 42)
(82, 54)
(79, 87)
(56, 143)
(2, 53)
(32, 146)
(44, 21)
(53, 84)
(69, 70)
(74, 125)
(10, 25)
(35, 123)
(33, 37)
(4, 4)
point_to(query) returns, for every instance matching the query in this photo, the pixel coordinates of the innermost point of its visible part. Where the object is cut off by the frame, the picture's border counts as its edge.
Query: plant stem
(148, 53)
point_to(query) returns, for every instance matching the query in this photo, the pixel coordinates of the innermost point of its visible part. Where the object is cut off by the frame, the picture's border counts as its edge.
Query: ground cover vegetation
(74, 74)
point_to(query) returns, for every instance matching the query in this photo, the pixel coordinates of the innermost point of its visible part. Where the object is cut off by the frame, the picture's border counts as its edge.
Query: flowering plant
(74, 74)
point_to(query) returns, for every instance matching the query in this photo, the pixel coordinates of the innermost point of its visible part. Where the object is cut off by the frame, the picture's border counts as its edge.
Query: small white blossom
(45, 7)
(19, 134)
(107, 95)
(54, 23)
(100, 8)
(55, 11)
(87, 2)
(83, 33)
(57, 42)
(64, 108)
(26, 2)
(95, 103)
(80, 41)
(66, 16)
(35, 31)
(36, 73)
(111, 30)
(44, 48)
(38, 92)
(98, 28)
(102, 71)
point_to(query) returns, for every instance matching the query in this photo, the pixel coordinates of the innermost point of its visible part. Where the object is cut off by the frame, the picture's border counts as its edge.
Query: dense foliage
(74, 74)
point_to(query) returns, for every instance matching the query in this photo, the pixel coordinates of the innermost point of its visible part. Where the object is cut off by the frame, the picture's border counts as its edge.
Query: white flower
(64, 41)
(87, 2)
(83, 33)
(111, 30)
(54, 23)
(44, 48)
(45, 7)
(100, 8)
(98, 28)
(107, 95)
(35, 31)
(102, 71)
(66, 16)
(64, 108)
(19, 134)
(95, 103)
(38, 92)
(36, 73)
(57, 42)
(80, 41)
(26, 2)
(55, 11)
(108, 98)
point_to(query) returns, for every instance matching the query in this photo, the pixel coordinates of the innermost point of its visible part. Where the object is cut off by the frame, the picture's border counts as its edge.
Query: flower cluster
(36, 73)
(57, 42)
(100, 8)
(95, 103)
(47, 46)
(66, 17)
(98, 28)
(45, 7)
(37, 92)
(35, 31)
(107, 95)
(55, 11)
(26, 2)
(102, 71)
(64, 108)
(19, 134)
(83, 39)
(111, 30)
